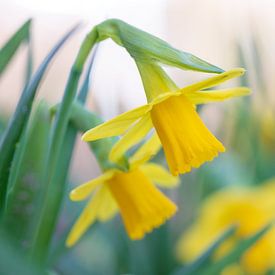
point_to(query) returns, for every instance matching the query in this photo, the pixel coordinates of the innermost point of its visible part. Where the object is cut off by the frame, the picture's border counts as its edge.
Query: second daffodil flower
(186, 141)
(142, 206)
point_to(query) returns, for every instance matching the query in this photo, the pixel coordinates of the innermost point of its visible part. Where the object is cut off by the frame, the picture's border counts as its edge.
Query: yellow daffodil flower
(251, 209)
(185, 139)
(142, 206)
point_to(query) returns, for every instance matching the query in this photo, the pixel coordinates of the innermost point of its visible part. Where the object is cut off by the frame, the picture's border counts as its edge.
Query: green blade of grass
(51, 204)
(236, 253)
(25, 186)
(29, 63)
(65, 158)
(7, 52)
(19, 119)
(198, 265)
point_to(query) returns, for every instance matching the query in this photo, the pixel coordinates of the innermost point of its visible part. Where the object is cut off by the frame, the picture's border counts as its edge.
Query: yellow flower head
(142, 206)
(250, 209)
(171, 111)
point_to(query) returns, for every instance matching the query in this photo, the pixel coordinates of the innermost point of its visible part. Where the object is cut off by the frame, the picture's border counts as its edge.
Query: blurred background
(225, 33)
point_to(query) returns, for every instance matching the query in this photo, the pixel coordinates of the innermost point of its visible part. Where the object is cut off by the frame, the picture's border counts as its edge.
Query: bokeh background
(225, 33)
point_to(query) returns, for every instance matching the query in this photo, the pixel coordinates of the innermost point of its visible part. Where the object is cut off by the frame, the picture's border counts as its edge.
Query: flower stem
(52, 199)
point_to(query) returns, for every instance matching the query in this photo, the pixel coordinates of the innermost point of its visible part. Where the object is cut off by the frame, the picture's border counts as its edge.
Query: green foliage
(51, 204)
(13, 261)
(19, 119)
(247, 139)
(21, 36)
(62, 170)
(25, 189)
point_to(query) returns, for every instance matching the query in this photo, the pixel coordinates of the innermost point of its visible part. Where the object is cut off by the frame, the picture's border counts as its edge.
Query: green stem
(52, 198)
(155, 80)
(84, 120)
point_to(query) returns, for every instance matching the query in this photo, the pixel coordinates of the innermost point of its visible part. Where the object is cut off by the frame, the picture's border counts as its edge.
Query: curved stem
(52, 199)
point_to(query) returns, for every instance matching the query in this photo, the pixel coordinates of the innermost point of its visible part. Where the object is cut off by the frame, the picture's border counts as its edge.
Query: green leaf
(13, 261)
(19, 119)
(7, 52)
(235, 255)
(29, 63)
(65, 159)
(145, 47)
(51, 204)
(201, 262)
(27, 170)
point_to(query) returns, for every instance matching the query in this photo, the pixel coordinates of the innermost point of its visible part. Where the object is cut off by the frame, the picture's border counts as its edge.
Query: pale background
(209, 29)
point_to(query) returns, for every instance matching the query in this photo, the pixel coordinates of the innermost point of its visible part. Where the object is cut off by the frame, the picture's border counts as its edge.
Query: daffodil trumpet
(131, 192)
(186, 141)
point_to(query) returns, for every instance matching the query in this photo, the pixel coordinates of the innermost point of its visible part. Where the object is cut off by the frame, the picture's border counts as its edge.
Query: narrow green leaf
(27, 170)
(51, 202)
(19, 119)
(61, 175)
(13, 261)
(83, 93)
(29, 63)
(236, 253)
(199, 264)
(6, 53)
(145, 47)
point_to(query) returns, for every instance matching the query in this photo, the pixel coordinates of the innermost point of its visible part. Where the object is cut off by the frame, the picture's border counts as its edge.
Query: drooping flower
(142, 206)
(251, 209)
(186, 141)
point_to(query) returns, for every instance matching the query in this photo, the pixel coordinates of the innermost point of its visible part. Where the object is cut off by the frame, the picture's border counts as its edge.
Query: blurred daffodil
(186, 140)
(249, 208)
(142, 206)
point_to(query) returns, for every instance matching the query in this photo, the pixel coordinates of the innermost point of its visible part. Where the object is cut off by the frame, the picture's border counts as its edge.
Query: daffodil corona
(186, 141)
(142, 206)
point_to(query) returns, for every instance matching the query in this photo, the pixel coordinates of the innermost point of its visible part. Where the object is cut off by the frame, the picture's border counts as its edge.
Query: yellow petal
(146, 151)
(201, 97)
(132, 137)
(108, 207)
(143, 207)
(163, 97)
(86, 219)
(186, 141)
(117, 125)
(83, 191)
(159, 175)
(213, 81)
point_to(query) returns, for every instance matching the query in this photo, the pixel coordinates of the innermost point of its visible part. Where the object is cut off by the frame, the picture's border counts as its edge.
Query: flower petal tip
(246, 91)
(238, 71)
(138, 235)
(85, 136)
(176, 182)
(69, 242)
(73, 196)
